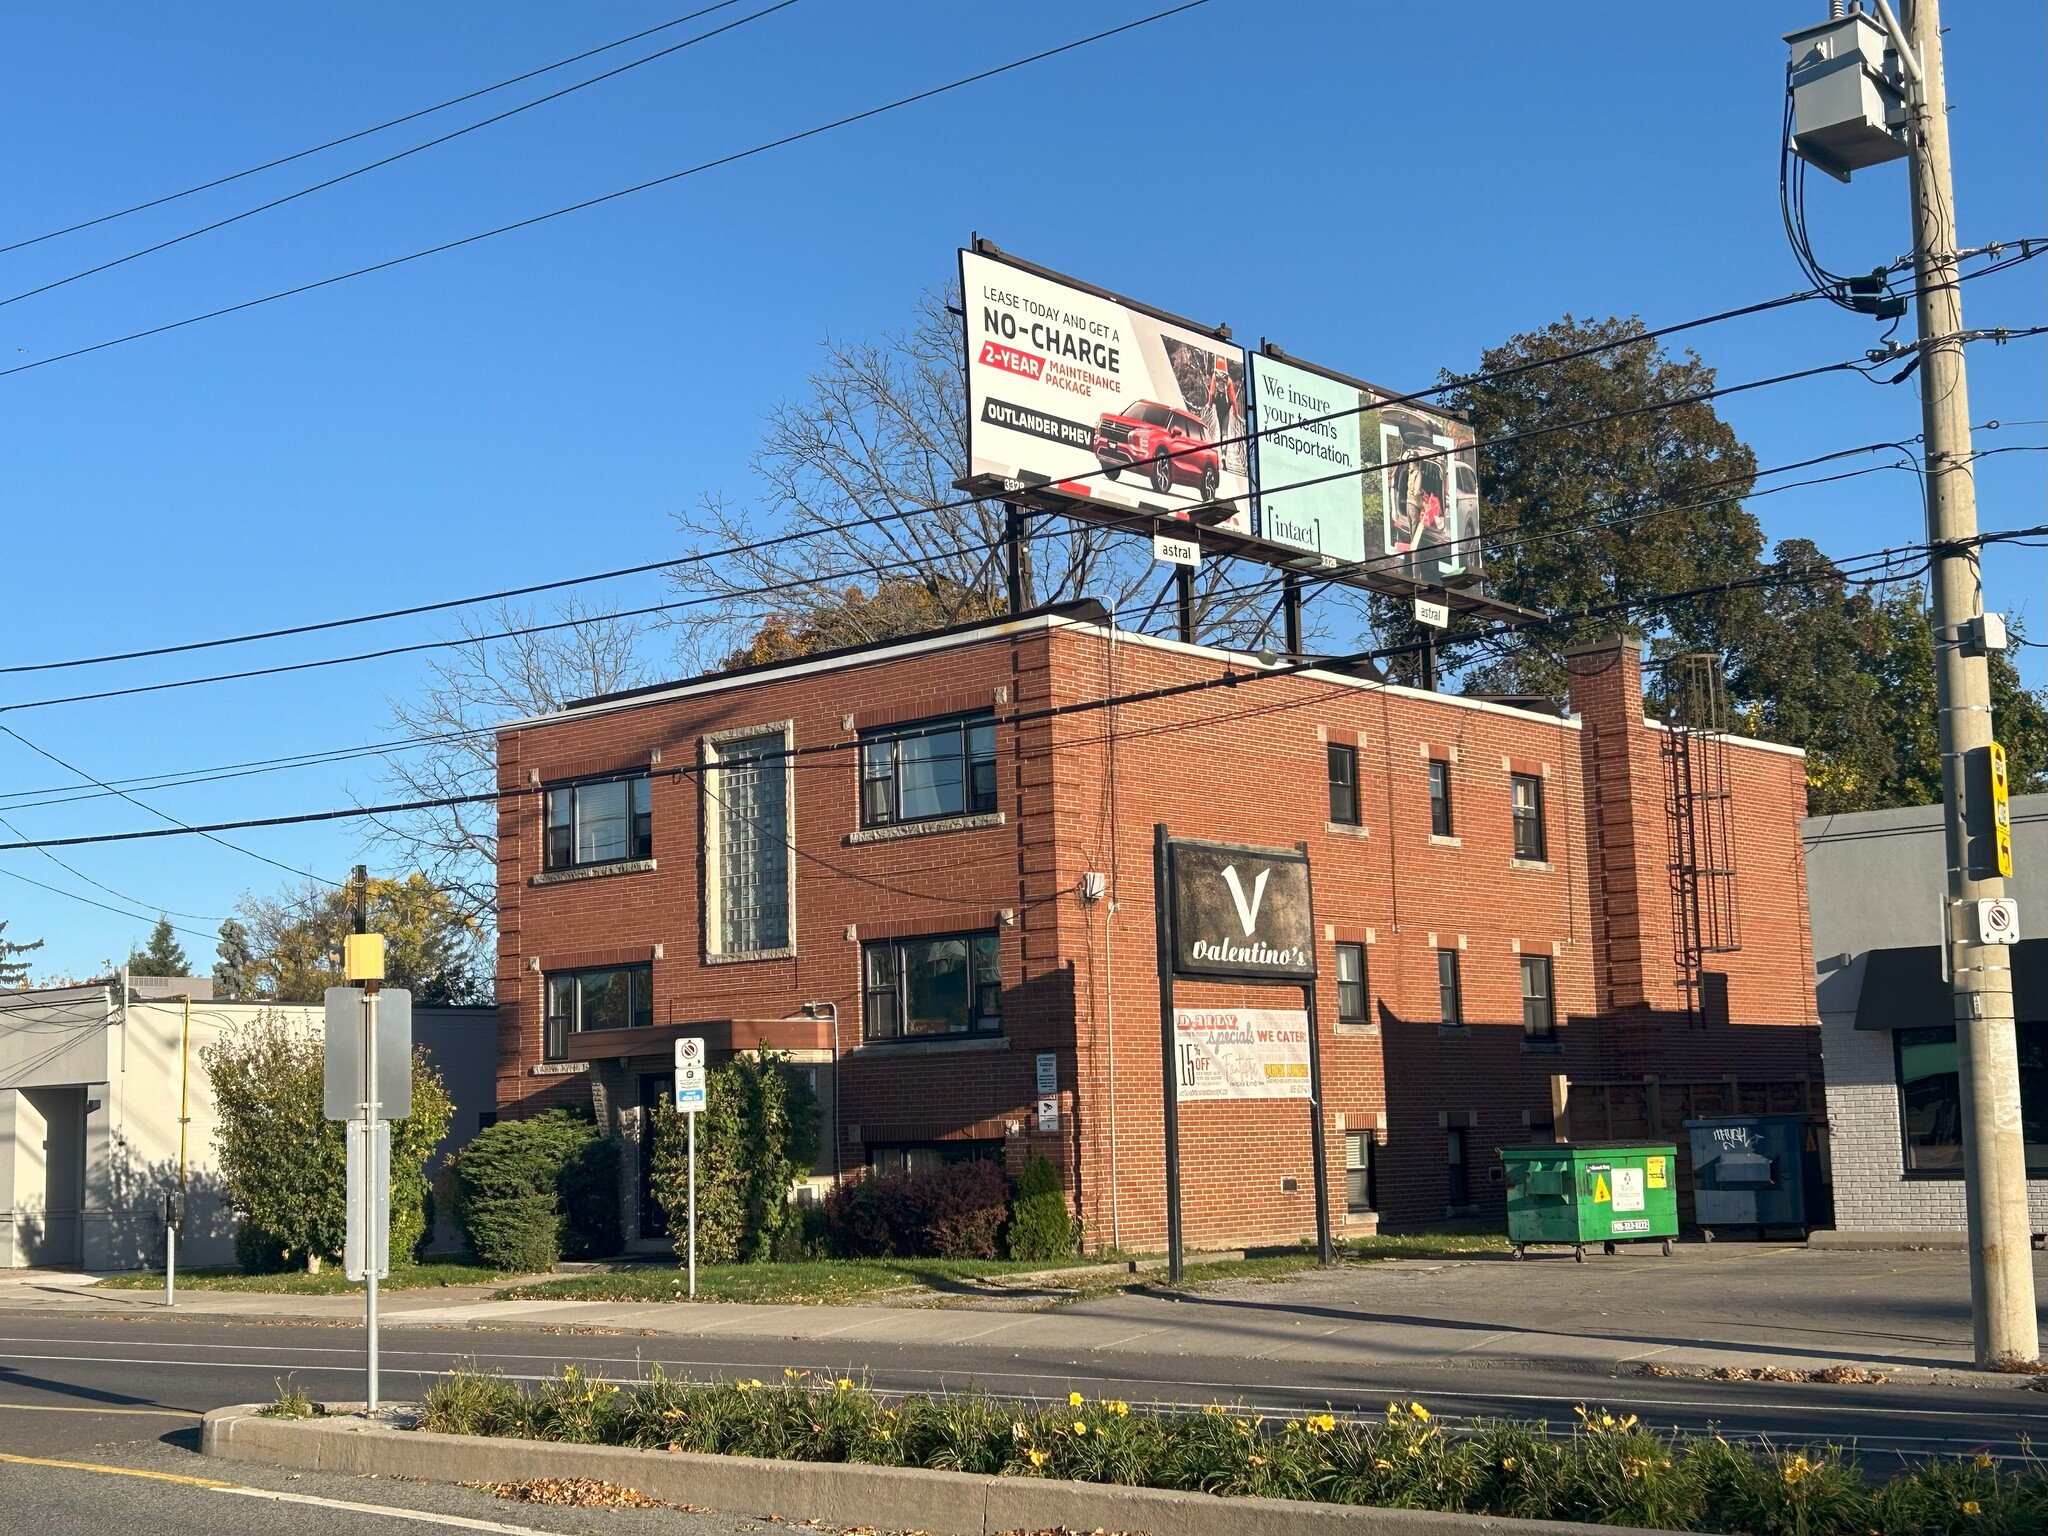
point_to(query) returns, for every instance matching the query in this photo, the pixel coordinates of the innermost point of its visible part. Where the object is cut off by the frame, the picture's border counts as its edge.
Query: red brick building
(886, 861)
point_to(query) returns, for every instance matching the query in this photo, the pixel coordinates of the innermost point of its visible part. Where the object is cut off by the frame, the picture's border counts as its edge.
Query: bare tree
(860, 469)
(452, 724)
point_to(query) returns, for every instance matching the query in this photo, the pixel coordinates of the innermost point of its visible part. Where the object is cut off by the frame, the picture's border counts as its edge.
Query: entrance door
(50, 1175)
(655, 1087)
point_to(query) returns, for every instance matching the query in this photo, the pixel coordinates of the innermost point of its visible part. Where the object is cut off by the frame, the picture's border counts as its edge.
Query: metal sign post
(368, 1084)
(689, 1101)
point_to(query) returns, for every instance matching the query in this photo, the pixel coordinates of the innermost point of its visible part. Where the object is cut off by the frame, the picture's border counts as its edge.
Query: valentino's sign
(1240, 912)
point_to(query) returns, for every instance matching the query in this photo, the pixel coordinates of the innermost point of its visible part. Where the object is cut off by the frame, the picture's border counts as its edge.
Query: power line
(392, 159)
(363, 133)
(798, 535)
(609, 197)
(15, 874)
(1768, 578)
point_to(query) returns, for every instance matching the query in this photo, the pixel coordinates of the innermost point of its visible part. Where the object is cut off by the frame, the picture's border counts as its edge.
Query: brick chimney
(1620, 767)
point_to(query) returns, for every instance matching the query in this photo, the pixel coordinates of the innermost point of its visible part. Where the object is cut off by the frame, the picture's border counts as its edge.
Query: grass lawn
(819, 1281)
(329, 1282)
(1429, 1245)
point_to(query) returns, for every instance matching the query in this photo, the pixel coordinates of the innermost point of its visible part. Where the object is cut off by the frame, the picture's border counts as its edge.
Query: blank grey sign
(344, 1076)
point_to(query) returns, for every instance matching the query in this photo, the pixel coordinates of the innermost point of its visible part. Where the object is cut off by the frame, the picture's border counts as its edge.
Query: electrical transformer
(1848, 96)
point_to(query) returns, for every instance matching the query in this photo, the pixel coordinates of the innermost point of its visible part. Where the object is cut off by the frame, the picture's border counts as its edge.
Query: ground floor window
(930, 1156)
(1358, 1172)
(1931, 1104)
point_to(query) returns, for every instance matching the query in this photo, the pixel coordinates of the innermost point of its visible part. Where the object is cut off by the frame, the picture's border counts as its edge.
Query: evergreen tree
(13, 971)
(162, 956)
(234, 962)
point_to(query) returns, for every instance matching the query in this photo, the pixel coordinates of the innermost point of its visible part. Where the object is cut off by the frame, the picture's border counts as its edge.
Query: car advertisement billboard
(1393, 487)
(1076, 392)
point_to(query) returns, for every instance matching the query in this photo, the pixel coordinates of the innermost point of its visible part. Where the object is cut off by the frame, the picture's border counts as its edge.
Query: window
(1527, 793)
(621, 997)
(1351, 1001)
(929, 988)
(1439, 798)
(1358, 1172)
(1539, 1015)
(600, 823)
(1457, 1177)
(931, 1156)
(1447, 990)
(1344, 786)
(746, 789)
(925, 771)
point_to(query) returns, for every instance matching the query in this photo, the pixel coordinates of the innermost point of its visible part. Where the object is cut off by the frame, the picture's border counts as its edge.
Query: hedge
(529, 1193)
(954, 1212)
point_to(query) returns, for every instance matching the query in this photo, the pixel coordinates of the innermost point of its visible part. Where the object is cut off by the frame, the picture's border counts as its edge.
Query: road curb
(886, 1498)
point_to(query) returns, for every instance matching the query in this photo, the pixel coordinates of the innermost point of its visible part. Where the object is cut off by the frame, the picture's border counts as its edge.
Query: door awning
(1903, 989)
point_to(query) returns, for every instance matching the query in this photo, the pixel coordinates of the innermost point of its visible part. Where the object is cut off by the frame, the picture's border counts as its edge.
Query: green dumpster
(1579, 1193)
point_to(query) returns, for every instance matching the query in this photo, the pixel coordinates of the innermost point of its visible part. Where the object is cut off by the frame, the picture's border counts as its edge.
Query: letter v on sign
(1247, 912)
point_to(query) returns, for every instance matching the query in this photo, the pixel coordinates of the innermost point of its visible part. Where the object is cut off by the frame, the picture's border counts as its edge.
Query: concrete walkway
(1728, 1305)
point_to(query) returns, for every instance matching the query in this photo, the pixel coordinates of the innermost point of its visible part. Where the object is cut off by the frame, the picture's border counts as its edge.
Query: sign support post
(1319, 1155)
(1170, 1081)
(370, 1201)
(690, 1099)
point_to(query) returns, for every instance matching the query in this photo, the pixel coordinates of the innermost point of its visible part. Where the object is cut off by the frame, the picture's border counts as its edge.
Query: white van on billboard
(1076, 392)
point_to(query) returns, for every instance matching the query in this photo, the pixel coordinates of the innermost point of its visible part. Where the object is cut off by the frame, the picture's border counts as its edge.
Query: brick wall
(1080, 792)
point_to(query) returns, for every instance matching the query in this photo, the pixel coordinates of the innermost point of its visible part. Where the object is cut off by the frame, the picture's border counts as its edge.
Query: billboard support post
(1319, 1155)
(1290, 612)
(1184, 603)
(1013, 555)
(1170, 1098)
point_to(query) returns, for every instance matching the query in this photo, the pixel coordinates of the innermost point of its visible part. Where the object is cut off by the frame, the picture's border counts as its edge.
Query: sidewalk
(1729, 1305)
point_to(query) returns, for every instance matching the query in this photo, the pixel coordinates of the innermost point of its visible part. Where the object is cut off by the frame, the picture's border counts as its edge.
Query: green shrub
(529, 1192)
(1607, 1470)
(1041, 1227)
(757, 1135)
(285, 1163)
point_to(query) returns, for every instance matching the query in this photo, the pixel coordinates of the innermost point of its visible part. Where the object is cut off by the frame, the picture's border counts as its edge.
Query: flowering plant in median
(1609, 1468)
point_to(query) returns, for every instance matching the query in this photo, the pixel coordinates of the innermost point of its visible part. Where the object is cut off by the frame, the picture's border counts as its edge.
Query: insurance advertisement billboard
(1340, 473)
(1077, 392)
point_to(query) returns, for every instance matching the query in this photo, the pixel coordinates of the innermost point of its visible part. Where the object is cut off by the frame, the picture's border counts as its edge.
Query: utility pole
(1994, 1156)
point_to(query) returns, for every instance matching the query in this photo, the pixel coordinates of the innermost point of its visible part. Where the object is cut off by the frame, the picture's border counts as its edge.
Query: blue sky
(1386, 189)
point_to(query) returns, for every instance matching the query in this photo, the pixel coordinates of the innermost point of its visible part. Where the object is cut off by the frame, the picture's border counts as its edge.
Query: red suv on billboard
(1167, 445)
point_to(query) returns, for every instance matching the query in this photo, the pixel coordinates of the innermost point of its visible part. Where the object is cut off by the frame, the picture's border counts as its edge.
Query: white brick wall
(1872, 1192)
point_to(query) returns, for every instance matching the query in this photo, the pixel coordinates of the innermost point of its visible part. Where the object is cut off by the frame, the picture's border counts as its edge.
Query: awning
(1903, 989)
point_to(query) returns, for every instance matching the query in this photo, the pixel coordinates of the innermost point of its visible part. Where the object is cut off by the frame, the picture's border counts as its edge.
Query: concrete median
(886, 1498)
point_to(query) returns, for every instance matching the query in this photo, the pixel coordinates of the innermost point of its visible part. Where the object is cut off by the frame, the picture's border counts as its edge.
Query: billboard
(1392, 487)
(1240, 912)
(1077, 392)
(1240, 1053)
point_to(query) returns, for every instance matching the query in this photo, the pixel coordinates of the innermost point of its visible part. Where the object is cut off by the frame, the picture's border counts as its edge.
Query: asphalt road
(67, 1382)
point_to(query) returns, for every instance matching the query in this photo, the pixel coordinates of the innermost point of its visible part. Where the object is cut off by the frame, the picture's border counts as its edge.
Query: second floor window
(1539, 1013)
(749, 872)
(1439, 798)
(600, 823)
(1527, 791)
(919, 989)
(618, 997)
(1449, 1001)
(1344, 786)
(925, 771)
(1351, 984)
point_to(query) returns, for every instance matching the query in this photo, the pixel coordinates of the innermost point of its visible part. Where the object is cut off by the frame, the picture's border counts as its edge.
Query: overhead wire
(1851, 568)
(393, 159)
(363, 133)
(609, 197)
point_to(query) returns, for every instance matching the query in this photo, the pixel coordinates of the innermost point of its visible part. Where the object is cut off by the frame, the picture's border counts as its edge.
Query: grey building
(1875, 881)
(95, 1081)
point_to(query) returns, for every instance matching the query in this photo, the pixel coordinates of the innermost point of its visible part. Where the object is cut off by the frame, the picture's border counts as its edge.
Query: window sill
(591, 871)
(1454, 1031)
(936, 1045)
(1541, 866)
(930, 828)
(1361, 1027)
(1445, 842)
(1347, 828)
(741, 957)
(1542, 1047)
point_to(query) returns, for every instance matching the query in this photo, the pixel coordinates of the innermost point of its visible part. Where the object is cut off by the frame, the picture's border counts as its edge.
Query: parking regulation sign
(690, 1074)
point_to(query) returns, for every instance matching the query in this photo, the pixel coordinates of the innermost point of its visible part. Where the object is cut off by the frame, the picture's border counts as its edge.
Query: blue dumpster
(1755, 1172)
